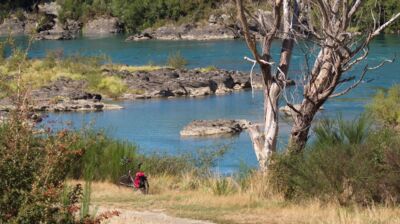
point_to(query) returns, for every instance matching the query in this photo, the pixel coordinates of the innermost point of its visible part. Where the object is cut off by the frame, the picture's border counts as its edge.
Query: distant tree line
(137, 14)
(383, 10)
(140, 14)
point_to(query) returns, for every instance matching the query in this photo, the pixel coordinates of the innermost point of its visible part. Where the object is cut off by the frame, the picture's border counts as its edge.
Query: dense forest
(139, 14)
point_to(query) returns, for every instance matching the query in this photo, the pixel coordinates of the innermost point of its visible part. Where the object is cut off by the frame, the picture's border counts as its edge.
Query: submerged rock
(214, 127)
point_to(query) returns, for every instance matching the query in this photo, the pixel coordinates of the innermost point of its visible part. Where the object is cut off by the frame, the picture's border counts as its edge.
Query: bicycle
(140, 181)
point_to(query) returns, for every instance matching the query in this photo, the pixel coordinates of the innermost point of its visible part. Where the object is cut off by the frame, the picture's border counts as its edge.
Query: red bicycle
(139, 182)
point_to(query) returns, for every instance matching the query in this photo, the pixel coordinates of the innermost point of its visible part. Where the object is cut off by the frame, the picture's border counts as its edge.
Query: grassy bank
(96, 71)
(236, 208)
(41, 72)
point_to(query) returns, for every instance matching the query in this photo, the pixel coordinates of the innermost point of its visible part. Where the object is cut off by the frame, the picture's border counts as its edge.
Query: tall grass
(177, 61)
(110, 158)
(347, 163)
(385, 107)
(104, 155)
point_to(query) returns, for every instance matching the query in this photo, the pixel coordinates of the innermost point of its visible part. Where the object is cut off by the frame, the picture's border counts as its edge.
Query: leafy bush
(176, 61)
(33, 169)
(344, 164)
(34, 164)
(385, 107)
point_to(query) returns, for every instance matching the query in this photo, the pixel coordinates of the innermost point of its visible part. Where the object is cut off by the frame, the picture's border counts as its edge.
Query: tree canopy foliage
(140, 14)
(136, 14)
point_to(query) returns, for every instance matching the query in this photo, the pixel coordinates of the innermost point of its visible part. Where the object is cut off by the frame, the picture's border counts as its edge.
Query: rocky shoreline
(65, 94)
(169, 83)
(46, 24)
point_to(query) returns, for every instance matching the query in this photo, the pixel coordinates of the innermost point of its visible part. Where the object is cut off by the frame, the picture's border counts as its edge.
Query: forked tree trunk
(340, 51)
(265, 140)
(325, 76)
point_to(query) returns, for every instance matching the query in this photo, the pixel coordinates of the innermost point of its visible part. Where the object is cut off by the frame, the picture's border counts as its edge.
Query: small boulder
(214, 127)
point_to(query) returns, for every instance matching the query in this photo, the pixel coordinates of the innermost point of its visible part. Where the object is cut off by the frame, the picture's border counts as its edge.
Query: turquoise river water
(154, 125)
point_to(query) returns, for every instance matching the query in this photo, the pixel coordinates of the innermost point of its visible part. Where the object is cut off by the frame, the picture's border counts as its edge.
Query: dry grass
(143, 68)
(257, 204)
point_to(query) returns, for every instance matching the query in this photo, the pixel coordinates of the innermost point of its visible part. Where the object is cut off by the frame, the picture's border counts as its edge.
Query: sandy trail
(146, 217)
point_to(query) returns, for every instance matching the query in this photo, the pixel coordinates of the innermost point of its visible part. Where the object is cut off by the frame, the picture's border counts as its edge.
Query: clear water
(154, 125)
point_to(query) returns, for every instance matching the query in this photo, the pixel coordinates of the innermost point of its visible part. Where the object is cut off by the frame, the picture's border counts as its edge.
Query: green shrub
(34, 165)
(344, 164)
(112, 86)
(176, 61)
(33, 170)
(385, 107)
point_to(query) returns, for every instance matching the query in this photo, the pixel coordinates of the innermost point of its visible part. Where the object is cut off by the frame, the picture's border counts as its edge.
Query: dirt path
(146, 217)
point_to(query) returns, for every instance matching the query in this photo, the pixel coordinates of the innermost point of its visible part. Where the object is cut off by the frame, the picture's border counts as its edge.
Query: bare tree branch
(382, 27)
(354, 9)
(361, 79)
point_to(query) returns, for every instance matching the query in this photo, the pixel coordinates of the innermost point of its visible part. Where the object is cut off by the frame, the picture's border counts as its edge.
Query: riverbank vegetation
(348, 174)
(91, 69)
(137, 15)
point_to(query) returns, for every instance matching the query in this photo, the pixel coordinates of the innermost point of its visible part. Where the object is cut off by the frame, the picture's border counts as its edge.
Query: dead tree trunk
(265, 140)
(339, 51)
(327, 26)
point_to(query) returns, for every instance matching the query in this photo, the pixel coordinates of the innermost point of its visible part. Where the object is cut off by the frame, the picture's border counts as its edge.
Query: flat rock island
(214, 127)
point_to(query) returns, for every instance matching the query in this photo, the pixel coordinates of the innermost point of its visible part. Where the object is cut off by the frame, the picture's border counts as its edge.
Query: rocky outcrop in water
(176, 83)
(63, 95)
(214, 127)
(102, 26)
(66, 94)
